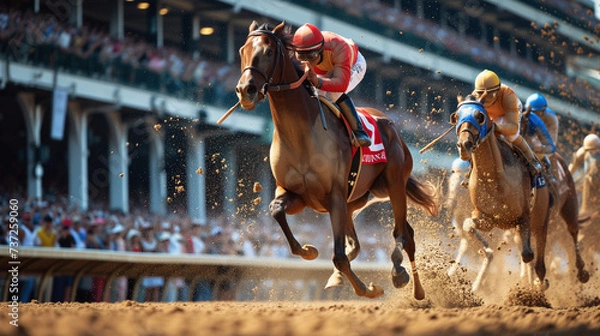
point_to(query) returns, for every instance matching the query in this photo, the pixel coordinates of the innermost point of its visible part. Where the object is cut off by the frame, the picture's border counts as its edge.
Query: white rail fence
(248, 278)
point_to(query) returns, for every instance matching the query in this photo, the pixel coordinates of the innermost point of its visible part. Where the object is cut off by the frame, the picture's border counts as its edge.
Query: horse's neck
(292, 116)
(487, 158)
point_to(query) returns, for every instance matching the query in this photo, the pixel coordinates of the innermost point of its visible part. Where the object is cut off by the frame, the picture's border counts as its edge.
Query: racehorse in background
(564, 202)
(311, 164)
(500, 189)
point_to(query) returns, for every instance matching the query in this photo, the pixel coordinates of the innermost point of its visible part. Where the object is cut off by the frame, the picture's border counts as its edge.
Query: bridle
(469, 118)
(279, 54)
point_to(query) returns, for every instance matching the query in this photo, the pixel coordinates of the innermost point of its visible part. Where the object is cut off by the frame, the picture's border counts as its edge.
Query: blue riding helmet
(537, 102)
(466, 113)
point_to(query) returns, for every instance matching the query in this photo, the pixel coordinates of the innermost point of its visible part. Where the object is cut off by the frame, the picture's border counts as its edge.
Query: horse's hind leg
(286, 202)
(569, 213)
(404, 240)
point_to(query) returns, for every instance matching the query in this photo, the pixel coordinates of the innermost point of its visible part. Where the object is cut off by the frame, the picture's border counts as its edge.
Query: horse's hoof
(527, 256)
(542, 286)
(309, 252)
(583, 276)
(335, 280)
(400, 278)
(373, 291)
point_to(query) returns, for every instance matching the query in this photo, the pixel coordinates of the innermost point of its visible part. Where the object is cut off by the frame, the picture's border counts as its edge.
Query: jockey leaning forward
(539, 140)
(335, 67)
(588, 158)
(537, 103)
(502, 106)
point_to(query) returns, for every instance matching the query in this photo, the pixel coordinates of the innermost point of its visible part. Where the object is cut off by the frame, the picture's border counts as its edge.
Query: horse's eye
(480, 117)
(269, 52)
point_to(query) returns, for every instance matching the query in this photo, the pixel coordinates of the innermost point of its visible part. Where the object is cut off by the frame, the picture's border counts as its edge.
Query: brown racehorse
(563, 193)
(311, 164)
(500, 188)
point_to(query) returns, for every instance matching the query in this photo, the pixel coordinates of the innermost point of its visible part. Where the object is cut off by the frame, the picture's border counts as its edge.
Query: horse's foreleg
(525, 234)
(339, 216)
(352, 250)
(283, 203)
(487, 253)
(525, 269)
(539, 229)
(462, 248)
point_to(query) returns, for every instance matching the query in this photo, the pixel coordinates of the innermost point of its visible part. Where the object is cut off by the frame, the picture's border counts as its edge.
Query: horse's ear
(459, 98)
(454, 118)
(253, 26)
(287, 29)
(280, 28)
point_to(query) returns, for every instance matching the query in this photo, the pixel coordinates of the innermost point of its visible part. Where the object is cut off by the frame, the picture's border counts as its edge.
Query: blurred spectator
(46, 235)
(197, 244)
(152, 285)
(118, 244)
(78, 232)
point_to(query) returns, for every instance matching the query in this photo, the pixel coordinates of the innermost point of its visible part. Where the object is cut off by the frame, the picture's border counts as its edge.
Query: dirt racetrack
(296, 318)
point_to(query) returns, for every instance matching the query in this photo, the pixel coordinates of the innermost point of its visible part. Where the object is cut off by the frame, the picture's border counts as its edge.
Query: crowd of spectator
(44, 40)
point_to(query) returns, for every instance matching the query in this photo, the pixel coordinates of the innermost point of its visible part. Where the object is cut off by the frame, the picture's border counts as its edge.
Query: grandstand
(116, 101)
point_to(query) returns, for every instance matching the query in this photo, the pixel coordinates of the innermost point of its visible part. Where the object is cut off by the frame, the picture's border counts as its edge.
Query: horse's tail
(424, 195)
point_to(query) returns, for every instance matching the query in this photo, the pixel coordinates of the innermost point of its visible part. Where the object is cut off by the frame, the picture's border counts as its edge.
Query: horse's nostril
(251, 90)
(468, 145)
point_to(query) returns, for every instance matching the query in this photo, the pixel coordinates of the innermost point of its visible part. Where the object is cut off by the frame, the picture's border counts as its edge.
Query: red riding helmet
(308, 38)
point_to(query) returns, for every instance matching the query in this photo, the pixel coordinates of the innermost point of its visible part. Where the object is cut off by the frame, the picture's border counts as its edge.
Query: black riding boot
(347, 107)
(535, 168)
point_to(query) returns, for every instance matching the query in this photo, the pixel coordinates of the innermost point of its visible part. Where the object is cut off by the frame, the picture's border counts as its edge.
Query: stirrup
(535, 168)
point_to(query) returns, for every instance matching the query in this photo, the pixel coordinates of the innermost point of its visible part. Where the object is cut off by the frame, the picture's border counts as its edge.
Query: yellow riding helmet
(487, 81)
(591, 142)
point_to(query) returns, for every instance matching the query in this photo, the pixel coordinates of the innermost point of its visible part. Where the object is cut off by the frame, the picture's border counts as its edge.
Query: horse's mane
(286, 36)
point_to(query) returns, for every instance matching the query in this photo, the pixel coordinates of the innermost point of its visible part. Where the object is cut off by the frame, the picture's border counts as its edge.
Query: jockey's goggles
(482, 94)
(308, 56)
(488, 91)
